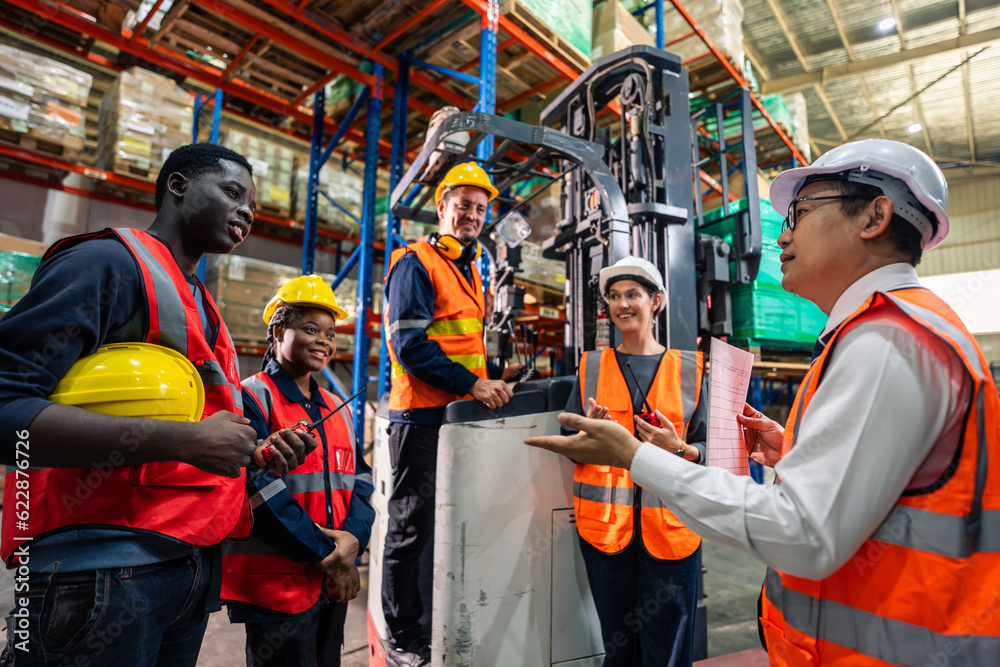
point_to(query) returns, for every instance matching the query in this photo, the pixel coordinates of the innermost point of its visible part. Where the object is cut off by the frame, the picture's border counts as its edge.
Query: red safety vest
(457, 327)
(172, 499)
(604, 496)
(256, 573)
(924, 589)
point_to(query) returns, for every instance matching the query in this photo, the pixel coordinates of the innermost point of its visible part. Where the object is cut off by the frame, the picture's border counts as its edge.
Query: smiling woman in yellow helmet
(313, 522)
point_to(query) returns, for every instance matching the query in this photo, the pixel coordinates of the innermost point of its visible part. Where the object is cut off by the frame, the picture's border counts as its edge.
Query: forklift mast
(648, 148)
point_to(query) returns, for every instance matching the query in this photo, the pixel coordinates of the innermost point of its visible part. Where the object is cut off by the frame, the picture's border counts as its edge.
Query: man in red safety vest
(125, 502)
(882, 534)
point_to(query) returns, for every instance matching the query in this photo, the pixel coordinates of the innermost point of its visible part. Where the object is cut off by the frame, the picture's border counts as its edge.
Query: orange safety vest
(457, 327)
(604, 496)
(924, 589)
(168, 498)
(256, 573)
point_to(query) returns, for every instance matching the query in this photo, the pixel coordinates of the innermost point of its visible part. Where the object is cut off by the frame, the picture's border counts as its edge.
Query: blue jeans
(646, 605)
(148, 616)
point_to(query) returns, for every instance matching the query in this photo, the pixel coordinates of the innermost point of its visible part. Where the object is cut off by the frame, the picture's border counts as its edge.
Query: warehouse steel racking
(283, 52)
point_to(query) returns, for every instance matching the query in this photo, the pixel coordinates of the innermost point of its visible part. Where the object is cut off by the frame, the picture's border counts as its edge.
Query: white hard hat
(631, 268)
(914, 183)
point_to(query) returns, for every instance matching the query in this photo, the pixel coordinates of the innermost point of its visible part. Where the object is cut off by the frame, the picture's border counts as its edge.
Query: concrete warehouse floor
(732, 583)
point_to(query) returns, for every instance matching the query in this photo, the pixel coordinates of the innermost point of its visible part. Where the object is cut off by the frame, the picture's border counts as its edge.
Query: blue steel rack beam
(396, 165)
(372, 130)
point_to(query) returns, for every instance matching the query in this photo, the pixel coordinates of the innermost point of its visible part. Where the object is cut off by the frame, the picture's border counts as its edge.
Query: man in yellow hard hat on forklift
(124, 430)
(434, 326)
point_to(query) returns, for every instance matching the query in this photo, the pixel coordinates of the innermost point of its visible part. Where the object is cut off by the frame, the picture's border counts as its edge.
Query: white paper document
(729, 378)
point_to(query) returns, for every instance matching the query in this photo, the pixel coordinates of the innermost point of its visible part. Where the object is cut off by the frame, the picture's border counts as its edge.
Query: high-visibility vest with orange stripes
(172, 499)
(457, 327)
(924, 589)
(254, 571)
(604, 497)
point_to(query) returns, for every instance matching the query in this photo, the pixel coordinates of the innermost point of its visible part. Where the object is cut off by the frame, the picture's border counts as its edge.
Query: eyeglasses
(792, 218)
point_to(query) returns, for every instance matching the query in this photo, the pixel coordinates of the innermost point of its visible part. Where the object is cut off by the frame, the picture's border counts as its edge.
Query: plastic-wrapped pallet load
(764, 314)
(345, 187)
(144, 116)
(722, 21)
(273, 163)
(16, 270)
(242, 286)
(797, 109)
(42, 103)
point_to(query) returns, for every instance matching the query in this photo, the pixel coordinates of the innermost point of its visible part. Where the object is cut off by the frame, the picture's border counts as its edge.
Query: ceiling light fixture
(913, 129)
(887, 24)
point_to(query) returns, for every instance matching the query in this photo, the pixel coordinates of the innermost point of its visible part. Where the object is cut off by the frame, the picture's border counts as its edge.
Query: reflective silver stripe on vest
(313, 481)
(651, 500)
(170, 309)
(590, 377)
(689, 383)
(613, 495)
(261, 391)
(942, 534)
(268, 492)
(892, 641)
(408, 324)
(212, 374)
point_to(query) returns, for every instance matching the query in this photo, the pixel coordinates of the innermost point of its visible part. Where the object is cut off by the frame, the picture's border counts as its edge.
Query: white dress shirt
(869, 428)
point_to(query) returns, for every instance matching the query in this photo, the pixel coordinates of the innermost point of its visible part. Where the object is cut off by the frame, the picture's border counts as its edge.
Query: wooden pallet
(273, 209)
(520, 14)
(39, 145)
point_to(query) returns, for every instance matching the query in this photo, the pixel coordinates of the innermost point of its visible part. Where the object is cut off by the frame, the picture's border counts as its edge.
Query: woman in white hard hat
(642, 563)
(298, 569)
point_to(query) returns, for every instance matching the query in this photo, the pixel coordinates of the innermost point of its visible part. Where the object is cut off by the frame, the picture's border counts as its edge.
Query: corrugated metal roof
(953, 96)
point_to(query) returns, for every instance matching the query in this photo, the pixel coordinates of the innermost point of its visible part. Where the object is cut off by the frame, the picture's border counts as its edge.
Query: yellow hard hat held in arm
(466, 174)
(309, 290)
(134, 380)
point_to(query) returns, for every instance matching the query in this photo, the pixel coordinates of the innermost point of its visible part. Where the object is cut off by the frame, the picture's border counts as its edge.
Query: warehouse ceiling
(926, 72)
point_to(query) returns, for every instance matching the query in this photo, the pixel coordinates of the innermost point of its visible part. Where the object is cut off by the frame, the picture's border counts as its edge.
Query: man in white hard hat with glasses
(883, 531)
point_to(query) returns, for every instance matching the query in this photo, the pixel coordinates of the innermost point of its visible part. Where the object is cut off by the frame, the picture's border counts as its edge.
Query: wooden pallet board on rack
(545, 34)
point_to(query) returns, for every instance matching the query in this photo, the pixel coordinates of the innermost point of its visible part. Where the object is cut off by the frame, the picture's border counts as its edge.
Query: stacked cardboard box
(537, 269)
(42, 102)
(615, 29)
(722, 21)
(144, 117)
(242, 287)
(344, 187)
(274, 162)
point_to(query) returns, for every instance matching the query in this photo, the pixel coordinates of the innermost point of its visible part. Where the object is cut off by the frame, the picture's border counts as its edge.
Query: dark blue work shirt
(411, 310)
(279, 520)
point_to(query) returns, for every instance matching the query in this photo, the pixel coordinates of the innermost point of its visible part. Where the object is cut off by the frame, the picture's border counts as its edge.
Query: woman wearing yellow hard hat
(298, 569)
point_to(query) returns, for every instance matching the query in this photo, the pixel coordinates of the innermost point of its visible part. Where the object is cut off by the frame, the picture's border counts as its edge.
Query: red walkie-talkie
(648, 416)
(268, 456)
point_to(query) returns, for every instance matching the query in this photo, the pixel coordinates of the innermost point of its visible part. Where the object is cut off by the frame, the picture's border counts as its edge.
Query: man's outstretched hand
(599, 441)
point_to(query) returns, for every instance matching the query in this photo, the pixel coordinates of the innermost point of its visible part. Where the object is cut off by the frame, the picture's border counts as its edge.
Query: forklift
(506, 579)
